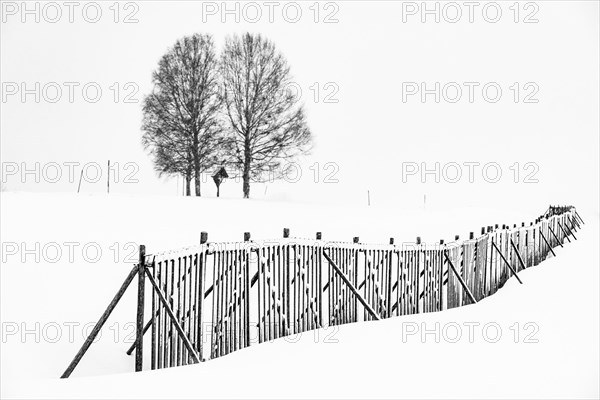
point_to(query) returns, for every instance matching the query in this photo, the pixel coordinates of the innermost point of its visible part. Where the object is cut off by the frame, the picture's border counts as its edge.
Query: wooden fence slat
(178, 327)
(352, 288)
(140, 310)
(153, 323)
(507, 263)
(517, 253)
(547, 244)
(462, 282)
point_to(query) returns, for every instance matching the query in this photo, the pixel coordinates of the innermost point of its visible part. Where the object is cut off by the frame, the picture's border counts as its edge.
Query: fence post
(139, 332)
(440, 282)
(319, 271)
(418, 276)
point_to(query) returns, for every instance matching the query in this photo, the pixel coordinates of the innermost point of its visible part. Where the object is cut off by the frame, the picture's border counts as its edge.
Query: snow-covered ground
(64, 256)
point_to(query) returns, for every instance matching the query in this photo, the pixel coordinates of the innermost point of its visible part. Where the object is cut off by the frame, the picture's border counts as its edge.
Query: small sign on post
(218, 177)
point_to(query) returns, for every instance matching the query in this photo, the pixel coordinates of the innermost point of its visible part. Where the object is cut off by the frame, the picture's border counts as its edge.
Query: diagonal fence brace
(547, 244)
(565, 233)
(578, 216)
(146, 328)
(90, 339)
(460, 279)
(573, 226)
(351, 287)
(570, 231)
(163, 300)
(507, 263)
(555, 237)
(518, 254)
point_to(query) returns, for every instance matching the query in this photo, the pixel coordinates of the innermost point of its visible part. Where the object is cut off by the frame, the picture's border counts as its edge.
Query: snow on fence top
(216, 298)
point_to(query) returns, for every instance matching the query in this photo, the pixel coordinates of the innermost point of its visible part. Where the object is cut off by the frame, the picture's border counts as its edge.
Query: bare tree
(171, 155)
(181, 121)
(267, 126)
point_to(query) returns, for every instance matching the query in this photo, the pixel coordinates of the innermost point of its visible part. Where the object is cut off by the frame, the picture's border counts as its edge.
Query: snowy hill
(64, 256)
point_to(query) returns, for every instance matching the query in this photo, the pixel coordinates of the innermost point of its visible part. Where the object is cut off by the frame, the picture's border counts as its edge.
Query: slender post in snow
(108, 178)
(80, 177)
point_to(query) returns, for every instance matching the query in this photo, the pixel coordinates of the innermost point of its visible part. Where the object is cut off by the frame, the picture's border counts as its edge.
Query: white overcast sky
(369, 133)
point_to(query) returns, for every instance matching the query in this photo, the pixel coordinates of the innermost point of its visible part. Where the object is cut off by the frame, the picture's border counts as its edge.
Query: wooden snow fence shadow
(215, 298)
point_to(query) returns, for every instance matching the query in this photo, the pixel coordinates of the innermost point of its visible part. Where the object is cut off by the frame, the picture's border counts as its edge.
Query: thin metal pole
(108, 178)
(80, 177)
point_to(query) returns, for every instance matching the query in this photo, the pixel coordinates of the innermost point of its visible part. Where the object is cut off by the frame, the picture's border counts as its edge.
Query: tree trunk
(197, 183)
(197, 176)
(246, 172)
(246, 182)
(188, 181)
